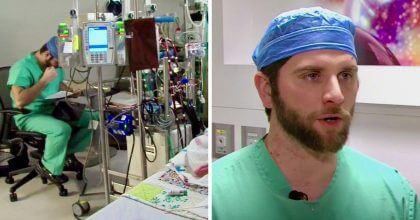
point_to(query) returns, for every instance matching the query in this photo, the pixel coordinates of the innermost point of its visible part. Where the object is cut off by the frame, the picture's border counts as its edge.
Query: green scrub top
(248, 184)
(26, 73)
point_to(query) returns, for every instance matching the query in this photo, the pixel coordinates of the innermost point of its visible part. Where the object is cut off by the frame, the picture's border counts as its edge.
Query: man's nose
(332, 92)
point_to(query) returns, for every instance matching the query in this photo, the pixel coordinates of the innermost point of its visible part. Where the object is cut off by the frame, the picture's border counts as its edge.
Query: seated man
(307, 80)
(31, 80)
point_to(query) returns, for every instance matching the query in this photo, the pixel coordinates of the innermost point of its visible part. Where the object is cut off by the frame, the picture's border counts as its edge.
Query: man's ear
(262, 83)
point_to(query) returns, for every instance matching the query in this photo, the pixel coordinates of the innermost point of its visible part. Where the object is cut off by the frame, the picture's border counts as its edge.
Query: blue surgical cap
(303, 30)
(52, 46)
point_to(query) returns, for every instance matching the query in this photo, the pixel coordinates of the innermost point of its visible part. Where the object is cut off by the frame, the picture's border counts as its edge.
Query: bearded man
(307, 80)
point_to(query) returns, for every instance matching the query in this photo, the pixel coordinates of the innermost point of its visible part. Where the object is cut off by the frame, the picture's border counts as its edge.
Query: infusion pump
(98, 43)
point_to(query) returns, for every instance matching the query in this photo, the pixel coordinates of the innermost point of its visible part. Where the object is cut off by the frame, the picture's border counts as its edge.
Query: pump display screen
(98, 39)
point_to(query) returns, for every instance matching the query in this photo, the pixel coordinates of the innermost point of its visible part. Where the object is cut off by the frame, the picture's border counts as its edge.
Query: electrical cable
(177, 123)
(129, 163)
(80, 74)
(73, 72)
(118, 115)
(142, 125)
(115, 139)
(154, 146)
(107, 102)
(71, 80)
(88, 86)
(179, 98)
(83, 71)
(185, 131)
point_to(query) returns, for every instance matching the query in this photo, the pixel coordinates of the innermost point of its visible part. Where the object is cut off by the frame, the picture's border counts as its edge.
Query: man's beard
(301, 128)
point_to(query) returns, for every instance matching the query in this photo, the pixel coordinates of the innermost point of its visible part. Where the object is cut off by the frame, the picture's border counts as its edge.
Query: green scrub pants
(60, 140)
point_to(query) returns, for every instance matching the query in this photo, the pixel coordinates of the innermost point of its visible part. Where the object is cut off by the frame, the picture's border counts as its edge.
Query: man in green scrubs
(31, 80)
(307, 80)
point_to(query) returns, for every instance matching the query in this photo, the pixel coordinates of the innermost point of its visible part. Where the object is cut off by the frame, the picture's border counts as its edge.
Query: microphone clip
(296, 195)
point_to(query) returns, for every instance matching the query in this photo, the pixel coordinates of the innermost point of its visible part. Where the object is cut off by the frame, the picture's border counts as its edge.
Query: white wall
(388, 133)
(253, 18)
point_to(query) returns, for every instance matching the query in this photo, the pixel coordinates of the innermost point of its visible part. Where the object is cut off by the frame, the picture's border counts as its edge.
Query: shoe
(60, 178)
(44, 172)
(72, 164)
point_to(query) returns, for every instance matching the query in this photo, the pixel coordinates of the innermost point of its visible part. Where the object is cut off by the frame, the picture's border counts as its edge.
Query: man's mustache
(341, 112)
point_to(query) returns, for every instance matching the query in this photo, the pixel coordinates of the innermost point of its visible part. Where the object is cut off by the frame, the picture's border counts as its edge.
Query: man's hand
(76, 93)
(49, 75)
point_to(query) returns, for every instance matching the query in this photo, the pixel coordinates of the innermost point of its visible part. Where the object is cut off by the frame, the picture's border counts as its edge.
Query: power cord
(154, 146)
(129, 163)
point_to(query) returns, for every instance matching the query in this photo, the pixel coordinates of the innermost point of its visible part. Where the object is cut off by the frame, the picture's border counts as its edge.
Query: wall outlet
(223, 139)
(251, 135)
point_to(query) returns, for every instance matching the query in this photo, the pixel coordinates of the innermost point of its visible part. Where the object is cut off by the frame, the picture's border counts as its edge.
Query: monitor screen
(98, 39)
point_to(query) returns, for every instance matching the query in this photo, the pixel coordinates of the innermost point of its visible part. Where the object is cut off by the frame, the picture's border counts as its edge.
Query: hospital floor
(39, 201)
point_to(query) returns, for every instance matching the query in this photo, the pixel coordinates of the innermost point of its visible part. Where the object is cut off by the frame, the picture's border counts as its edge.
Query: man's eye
(345, 75)
(312, 76)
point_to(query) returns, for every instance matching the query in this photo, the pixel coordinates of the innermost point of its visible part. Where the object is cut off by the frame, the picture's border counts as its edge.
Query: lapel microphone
(296, 195)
